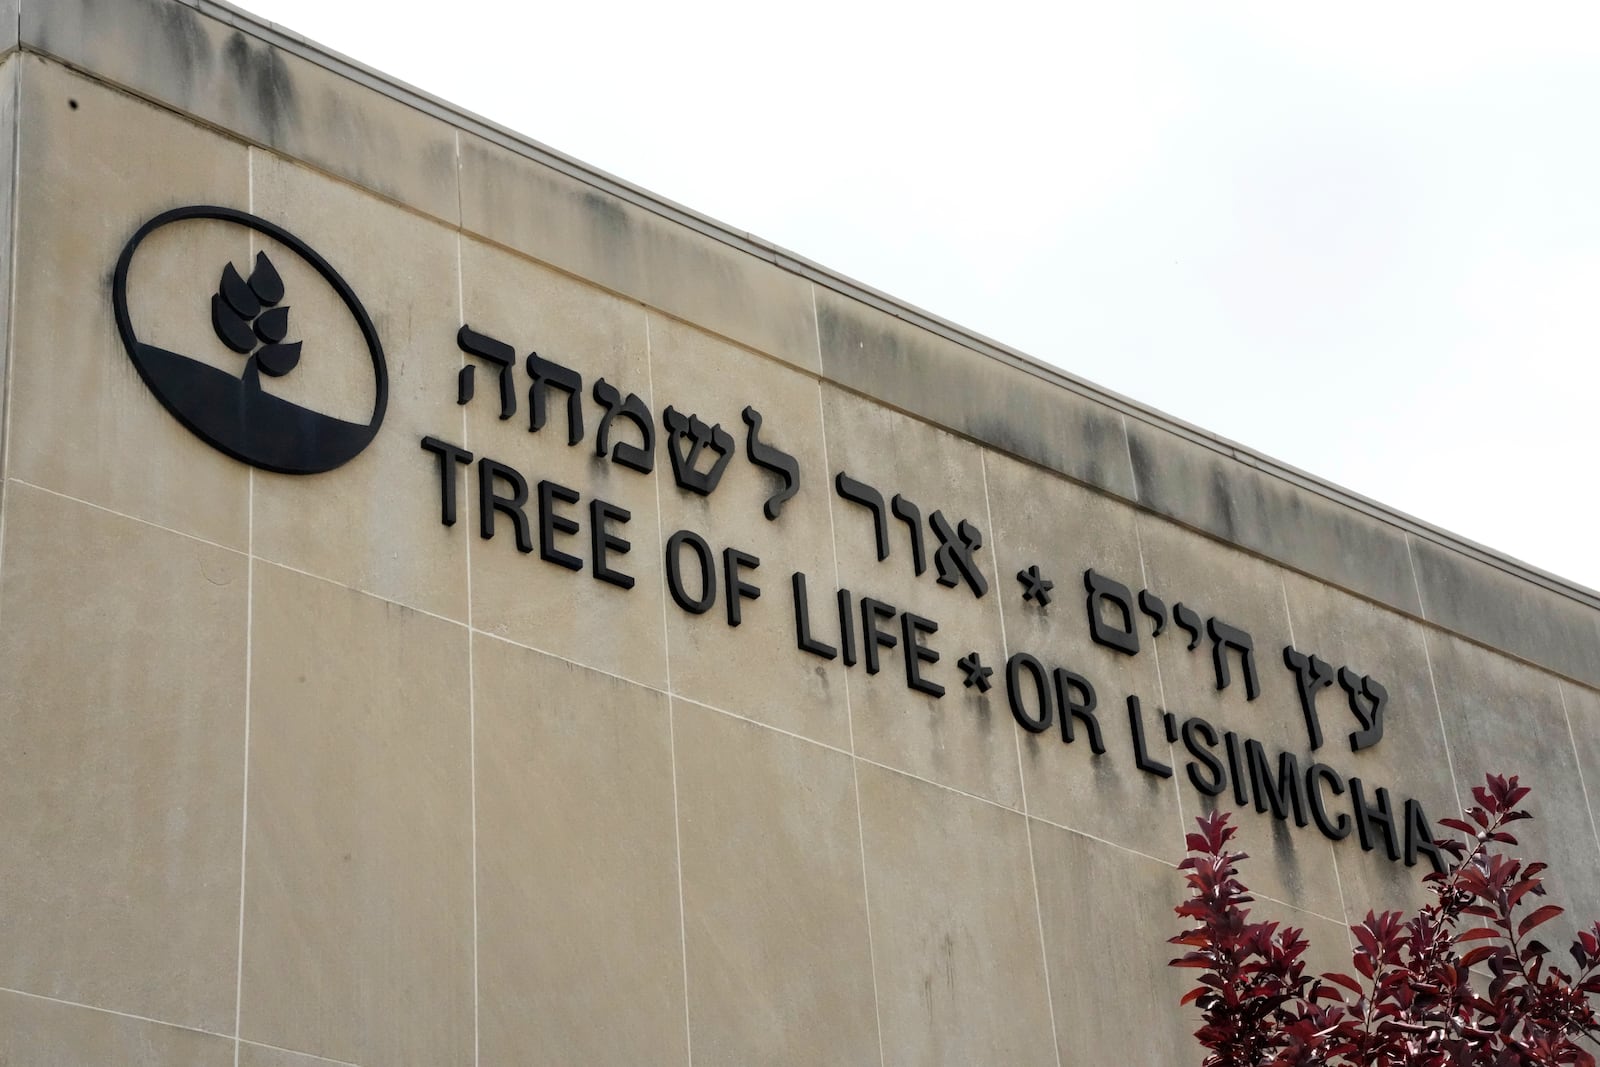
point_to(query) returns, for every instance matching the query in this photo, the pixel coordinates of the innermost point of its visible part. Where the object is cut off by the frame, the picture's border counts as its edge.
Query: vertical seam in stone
(816, 330)
(472, 681)
(10, 295)
(849, 710)
(249, 670)
(1444, 732)
(1022, 783)
(1161, 681)
(1416, 583)
(1561, 689)
(459, 213)
(1333, 854)
(672, 726)
(1133, 474)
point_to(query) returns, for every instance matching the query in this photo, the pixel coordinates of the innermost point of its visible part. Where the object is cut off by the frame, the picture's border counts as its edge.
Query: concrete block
(1047, 522)
(907, 367)
(1107, 915)
(1410, 761)
(358, 885)
(1504, 717)
(1228, 499)
(577, 865)
(697, 374)
(83, 422)
(46, 1033)
(1291, 864)
(372, 524)
(950, 891)
(573, 226)
(121, 763)
(185, 59)
(774, 907)
(598, 336)
(1486, 604)
(966, 738)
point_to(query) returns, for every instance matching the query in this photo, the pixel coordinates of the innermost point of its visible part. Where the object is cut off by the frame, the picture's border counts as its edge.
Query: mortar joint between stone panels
(1076, 832)
(1127, 450)
(1161, 681)
(850, 721)
(297, 1053)
(118, 1014)
(10, 295)
(243, 552)
(1438, 708)
(1583, 785)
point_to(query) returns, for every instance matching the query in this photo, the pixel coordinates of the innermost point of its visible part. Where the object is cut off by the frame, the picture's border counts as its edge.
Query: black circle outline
(119, 301)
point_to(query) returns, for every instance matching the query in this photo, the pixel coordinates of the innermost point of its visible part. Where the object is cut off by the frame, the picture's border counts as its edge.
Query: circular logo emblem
(249, 313)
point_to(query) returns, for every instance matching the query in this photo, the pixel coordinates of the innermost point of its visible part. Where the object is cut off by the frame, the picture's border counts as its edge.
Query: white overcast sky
(1361, 238)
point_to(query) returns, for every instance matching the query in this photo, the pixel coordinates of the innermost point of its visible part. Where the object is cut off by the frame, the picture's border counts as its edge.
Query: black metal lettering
(602, 542)
(873, 638)
(1316, 774)
(1312, 674)
(1419, 838)
(449, 458)
(953, 558)
(862, 493)
(687, 439)
(775, 460)
(1016, 666)
(708, 579)
(1124, 638)
(1154, 607)
(1141, 752)
(1230, 743)
(1224, 637)
(1286, 795)
(1200, 737)
(1188, 620)
(1359, 687)
(733, 561)
(802, 621)
(547, 375)
(847, 628)
(911, 628)
(1081, 708)
(911, 515)
(489, 501)
(500, 355)
(550, 524)
(1374, 819)
(640, 457)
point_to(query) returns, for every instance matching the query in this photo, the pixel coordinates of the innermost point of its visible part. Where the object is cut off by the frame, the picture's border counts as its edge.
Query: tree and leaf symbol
(249, 320)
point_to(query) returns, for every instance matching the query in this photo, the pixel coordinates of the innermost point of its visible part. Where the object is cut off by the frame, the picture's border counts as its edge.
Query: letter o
(1015, 666)
(708, 581)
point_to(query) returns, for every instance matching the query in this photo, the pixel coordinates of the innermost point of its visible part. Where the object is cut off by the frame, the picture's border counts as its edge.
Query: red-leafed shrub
(1413, 1001)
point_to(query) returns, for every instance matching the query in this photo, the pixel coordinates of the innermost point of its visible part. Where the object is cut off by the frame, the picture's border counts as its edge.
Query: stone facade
(295, 771)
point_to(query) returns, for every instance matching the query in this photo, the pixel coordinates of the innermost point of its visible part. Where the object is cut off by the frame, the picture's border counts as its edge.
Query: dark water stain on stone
(264, 80)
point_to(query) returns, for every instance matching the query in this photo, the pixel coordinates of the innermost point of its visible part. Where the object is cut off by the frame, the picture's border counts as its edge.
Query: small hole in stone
(73, 104)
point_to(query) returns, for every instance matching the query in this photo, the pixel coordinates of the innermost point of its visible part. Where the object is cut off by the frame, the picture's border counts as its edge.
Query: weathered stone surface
(122, 680)
(952, 905)
(358, 904)
(175, 54)
(774, 905)
(577, 865)
(572, 225)
(1210, 491)
(937, 379)
(1526, 620)
(46, 1033)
